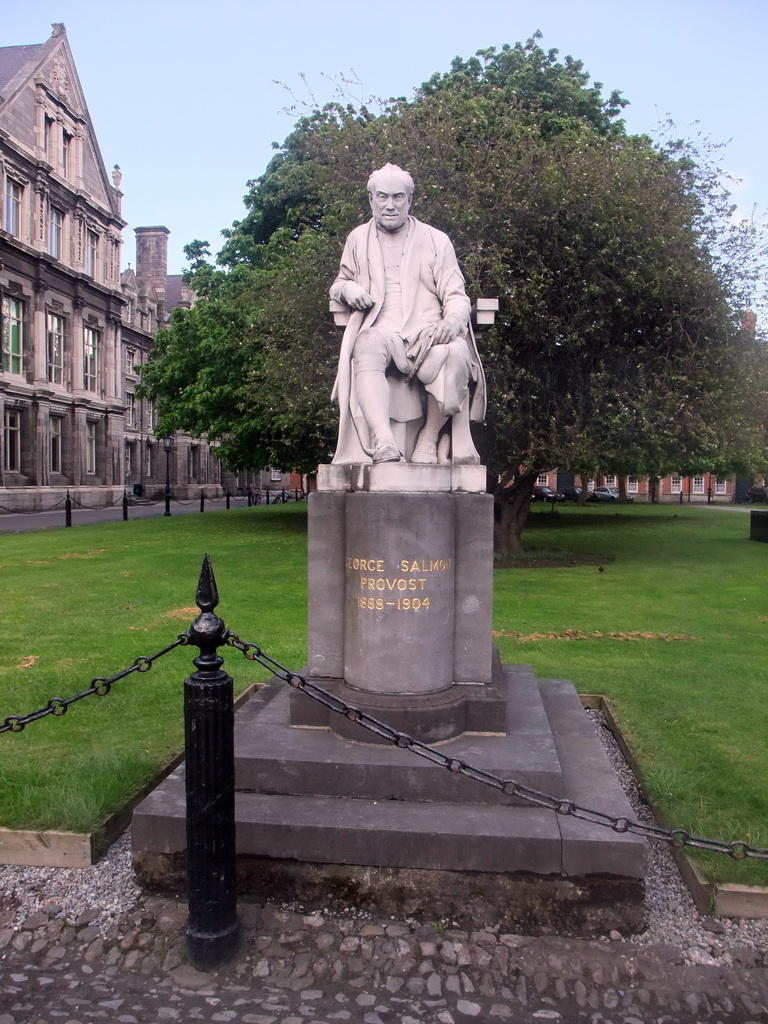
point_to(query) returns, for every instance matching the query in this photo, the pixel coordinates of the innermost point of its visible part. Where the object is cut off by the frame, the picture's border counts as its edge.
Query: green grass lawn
(673, 631)
(85, 602)
(685, 594)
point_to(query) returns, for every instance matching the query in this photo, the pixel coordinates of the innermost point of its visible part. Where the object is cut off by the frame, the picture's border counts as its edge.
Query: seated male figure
(408, 357)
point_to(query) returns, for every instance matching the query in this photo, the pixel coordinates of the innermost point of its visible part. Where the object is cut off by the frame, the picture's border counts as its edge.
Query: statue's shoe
(386, 453)
(424, 454)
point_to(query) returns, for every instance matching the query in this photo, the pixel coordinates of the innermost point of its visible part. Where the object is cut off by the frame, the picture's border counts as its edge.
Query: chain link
(96, 508)
(32, 512)
(678, 838)
(99, 687)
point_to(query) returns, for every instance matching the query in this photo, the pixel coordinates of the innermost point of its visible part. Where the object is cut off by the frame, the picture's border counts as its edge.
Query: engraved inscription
(384, 587)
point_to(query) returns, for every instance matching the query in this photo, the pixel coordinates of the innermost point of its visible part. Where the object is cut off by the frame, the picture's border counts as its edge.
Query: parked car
(571, 493)
(756, 493)
(545, 494)
(604, 494)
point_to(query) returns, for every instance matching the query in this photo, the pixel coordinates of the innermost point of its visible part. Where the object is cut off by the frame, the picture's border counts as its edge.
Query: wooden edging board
(726, 900)
(56, 849)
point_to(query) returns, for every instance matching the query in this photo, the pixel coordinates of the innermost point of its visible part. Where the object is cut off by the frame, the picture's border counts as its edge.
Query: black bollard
(125, 506)
(228, 497)
(212, 928)
(202, 501)
(67, 510)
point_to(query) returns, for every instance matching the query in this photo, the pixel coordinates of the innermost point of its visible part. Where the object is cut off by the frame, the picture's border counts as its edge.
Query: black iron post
(67, 510)
(228, 498)
(202, 500)
(168, 448)
(125, 506)
(212, 928)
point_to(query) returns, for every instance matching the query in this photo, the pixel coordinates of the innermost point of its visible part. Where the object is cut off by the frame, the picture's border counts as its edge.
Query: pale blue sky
(183, 94)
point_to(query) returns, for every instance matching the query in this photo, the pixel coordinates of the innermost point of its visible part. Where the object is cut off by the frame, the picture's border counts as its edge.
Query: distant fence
(69, 503)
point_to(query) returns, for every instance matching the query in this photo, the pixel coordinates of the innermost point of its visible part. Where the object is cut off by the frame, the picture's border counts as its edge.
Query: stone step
(389, 833)
(274, 756)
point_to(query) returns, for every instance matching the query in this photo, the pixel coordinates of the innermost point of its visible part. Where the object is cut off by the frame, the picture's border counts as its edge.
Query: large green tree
(616, 343)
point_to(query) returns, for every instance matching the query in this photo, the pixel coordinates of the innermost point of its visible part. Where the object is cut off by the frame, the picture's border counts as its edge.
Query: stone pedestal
(401, 591)
(400, 607)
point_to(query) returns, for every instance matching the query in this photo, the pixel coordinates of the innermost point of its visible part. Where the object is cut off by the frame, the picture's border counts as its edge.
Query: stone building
(73, 327)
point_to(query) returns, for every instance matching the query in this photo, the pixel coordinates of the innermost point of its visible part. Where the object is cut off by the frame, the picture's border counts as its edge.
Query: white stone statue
(409, 377)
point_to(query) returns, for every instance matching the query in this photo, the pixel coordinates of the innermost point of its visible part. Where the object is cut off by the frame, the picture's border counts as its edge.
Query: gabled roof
(50, 65)
(14, 59)
(177, 293)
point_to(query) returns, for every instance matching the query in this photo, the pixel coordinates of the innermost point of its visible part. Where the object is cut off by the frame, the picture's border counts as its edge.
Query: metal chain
(32, 512)
(96, 508)
(677, 837)
(99, 686)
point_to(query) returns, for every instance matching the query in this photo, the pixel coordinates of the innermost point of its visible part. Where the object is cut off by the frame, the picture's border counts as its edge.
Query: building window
(90, 359)
(66, 153)
(276, 475)
(632, 485)
(91, 253)
(55, 230)
(48, 138)
(151, 415)
(720, 487)
(12, 441)
(698, 484)
(610, 480)
(56, 444)
(128, 461)
(676, 483)
(130, 409)
(56, 326)
(130, 361)
(13, 193)
(150, 449)
(90, 447)
(13, 335)
(542, 480)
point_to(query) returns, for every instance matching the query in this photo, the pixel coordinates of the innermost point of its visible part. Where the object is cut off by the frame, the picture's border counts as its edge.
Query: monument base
(525, 904)
(400, 620)
(326, 820)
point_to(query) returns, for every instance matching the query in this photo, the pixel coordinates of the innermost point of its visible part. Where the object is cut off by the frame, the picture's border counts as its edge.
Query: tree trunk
(513, 503)
(583, 478)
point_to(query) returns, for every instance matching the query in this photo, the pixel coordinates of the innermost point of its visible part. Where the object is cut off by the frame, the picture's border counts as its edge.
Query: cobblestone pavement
(299, 969)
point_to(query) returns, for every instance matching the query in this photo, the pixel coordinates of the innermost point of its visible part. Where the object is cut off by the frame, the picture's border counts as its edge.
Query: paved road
(321, 969)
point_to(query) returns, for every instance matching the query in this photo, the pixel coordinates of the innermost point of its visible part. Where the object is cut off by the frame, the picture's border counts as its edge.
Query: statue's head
(390, 191)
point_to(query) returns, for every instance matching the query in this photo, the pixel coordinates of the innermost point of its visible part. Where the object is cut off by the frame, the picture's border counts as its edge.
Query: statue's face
(390, 202)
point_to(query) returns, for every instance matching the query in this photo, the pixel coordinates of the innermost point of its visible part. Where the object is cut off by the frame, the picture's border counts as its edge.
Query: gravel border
(671, 914)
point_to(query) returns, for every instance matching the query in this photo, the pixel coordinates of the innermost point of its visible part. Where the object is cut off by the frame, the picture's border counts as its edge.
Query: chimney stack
(152, 262)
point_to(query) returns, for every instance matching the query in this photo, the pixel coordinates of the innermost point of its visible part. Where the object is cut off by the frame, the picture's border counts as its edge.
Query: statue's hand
(356, 297)
(446, 330)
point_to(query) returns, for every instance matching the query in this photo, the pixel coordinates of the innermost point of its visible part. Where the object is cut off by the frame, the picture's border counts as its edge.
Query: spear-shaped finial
(207, 596)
